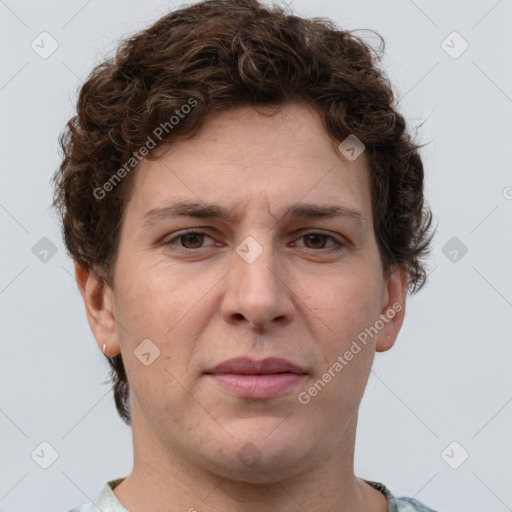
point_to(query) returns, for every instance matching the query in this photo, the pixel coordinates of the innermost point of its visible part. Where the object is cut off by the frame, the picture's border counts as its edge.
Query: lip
(249, 366)
(257, 379)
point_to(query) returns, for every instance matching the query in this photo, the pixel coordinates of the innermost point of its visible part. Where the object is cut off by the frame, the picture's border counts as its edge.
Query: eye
(194, 240)
(190, 240)
(318, 240)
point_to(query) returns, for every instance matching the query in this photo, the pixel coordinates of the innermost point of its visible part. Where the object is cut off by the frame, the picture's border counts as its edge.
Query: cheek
(149, 298)
(157, 304)
(347, 303)
(346, 308)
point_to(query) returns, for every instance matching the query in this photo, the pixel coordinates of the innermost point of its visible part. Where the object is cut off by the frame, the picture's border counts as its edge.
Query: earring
(104, 347)
(388, 336)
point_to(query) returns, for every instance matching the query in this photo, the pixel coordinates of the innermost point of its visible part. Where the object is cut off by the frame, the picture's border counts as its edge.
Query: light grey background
(448, 377)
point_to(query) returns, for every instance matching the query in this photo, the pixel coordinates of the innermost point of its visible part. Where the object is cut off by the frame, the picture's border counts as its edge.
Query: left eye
(313, 236)
(195, 239)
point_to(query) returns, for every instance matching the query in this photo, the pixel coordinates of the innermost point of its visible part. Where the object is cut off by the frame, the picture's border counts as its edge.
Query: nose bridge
(256, 289)
(256, 260)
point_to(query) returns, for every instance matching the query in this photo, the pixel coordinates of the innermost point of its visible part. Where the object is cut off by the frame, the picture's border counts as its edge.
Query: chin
(261, 453)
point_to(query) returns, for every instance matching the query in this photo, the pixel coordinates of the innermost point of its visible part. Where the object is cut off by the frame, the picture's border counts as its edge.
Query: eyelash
(338, 245)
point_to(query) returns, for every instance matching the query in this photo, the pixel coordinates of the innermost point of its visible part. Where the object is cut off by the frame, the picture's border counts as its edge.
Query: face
(242, 268)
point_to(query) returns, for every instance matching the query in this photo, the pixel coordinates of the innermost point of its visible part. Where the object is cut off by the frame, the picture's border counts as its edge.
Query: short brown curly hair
(223, 54)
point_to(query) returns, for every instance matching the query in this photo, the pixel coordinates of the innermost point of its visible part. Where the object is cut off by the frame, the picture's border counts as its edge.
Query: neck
(167, 479)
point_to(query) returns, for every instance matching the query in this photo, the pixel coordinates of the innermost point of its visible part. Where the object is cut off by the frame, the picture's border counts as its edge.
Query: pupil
(193, 236)
(315, 237)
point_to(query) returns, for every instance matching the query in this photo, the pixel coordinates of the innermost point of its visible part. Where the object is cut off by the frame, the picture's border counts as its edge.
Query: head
(244, 107)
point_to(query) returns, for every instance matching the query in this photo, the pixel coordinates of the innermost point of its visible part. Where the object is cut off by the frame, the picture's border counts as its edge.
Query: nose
(258, 291)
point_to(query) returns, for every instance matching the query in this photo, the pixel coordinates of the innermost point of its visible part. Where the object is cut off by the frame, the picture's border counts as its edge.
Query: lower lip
(257, 386)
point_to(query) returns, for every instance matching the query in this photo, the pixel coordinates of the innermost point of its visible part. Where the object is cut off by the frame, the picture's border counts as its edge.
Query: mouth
(257, 379)
(248, 366)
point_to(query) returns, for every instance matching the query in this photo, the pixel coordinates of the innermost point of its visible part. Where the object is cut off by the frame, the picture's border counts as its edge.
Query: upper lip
(248, 366)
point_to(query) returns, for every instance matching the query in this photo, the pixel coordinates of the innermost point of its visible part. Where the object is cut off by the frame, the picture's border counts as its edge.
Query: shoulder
(90, 507)
(411, 505)
(400, 504)
(106, 500)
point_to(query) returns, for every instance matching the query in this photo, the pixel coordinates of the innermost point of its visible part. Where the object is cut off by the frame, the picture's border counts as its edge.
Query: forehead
(246, 157)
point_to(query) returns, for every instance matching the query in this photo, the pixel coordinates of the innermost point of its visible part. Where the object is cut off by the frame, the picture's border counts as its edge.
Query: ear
(99, 307)
(393, 310)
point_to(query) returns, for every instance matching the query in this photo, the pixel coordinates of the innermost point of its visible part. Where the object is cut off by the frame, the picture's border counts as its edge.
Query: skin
(205, 304)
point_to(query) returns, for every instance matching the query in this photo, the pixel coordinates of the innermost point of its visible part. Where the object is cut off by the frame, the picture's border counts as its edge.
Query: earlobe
(99, 308)
(393, 311)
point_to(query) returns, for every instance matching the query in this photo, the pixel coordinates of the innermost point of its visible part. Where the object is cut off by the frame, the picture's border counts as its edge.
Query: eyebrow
(215, 211)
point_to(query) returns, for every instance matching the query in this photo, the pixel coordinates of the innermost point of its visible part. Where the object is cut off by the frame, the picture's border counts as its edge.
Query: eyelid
(184, 233)
(338, 244)
(336, 241)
